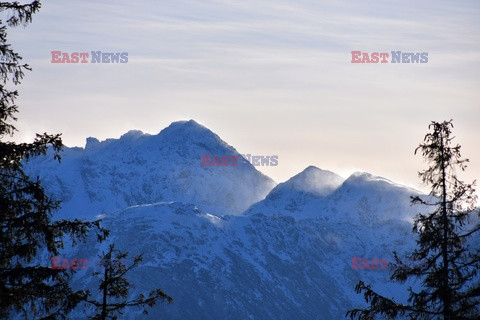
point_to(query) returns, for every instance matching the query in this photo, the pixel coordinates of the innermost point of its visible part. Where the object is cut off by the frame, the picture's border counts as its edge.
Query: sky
(269, 77)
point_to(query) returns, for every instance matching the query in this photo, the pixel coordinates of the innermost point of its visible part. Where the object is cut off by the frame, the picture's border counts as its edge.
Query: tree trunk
(104, 304)
(446, 296)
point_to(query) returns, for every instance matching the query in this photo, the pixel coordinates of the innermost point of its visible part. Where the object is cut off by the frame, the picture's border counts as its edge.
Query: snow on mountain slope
(362, 198)
(289, 256)
(292, 195)
(140, 168)
(271, 265)
(245, 267)
(369, 200)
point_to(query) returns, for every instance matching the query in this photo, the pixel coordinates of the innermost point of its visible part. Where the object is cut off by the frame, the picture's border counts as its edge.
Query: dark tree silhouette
(114, 287)
(26, 288)
(443, 260)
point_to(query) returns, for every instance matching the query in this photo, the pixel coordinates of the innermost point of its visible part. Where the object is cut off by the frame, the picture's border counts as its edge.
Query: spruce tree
(114, 287)
(443, 259)
(27, 287)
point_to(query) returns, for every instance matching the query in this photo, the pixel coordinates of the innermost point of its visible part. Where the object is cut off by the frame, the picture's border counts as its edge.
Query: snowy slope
(287, 256)
(363, 198)
(270, 265)
(140, 168)
(246, 267)
(290, 196)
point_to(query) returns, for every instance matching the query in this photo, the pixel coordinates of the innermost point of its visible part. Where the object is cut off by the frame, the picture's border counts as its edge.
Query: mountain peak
(91, 142)
(360, 178)
(316, 181)
(132, 134)
(190, 126)
(140, 168)
(312, 180)
(190, 131)
(367, 181)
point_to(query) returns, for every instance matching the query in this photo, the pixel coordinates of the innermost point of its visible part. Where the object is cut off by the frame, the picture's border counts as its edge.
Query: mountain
(140, 168)
(243, 267)
(292, 195)
(226, 242)
(363, 198)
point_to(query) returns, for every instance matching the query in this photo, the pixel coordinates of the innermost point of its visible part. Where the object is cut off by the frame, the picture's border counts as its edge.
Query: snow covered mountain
(363, 198)
(225, 242)
(311, 183)
(140, 168)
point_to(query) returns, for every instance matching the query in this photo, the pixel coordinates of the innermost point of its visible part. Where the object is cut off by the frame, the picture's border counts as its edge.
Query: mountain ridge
(140, 168)
(227, 242)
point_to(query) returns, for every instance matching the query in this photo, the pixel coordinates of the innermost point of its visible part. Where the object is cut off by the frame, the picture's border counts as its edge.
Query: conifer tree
(443, 260)
(29, 288)
(114, 287)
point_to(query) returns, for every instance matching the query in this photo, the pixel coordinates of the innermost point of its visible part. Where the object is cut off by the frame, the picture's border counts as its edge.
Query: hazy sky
(269, 77)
